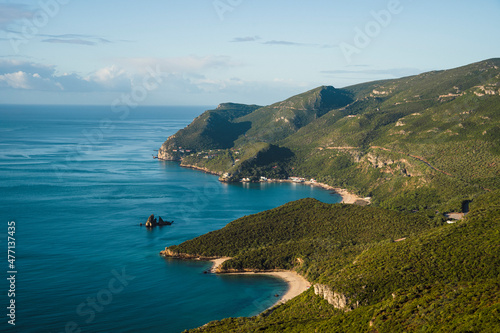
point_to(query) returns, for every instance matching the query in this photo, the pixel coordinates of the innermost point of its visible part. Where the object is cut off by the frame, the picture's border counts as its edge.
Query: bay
(77, 181)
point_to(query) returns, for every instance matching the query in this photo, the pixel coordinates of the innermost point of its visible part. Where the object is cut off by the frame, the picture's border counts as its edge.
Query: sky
(205, 52)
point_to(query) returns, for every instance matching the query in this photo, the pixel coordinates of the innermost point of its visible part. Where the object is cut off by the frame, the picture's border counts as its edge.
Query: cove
(79, 229)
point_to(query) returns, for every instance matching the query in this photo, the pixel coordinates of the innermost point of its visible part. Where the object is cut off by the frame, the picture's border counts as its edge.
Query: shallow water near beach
(77, 181)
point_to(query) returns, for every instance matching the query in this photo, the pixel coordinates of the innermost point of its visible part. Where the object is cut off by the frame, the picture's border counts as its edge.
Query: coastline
(297, 284)
(194, 167)
(347, 197)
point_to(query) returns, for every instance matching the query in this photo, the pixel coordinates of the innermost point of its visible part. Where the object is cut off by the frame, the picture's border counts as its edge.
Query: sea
(75, 184)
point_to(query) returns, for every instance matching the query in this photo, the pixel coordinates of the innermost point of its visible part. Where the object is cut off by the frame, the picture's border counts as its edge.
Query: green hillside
(278, 121)
(214, 129)
(444, 279)
(420, 146)
(430, 141)
(307, 230)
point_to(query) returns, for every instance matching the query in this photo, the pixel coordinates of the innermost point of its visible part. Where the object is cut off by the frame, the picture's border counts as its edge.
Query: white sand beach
(297, 284)
(217, 263)
(347, 197)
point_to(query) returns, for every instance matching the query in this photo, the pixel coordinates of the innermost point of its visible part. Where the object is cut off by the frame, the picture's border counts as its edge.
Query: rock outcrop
(339, 301)
(153, 222)
(164, 153)
(173, 254)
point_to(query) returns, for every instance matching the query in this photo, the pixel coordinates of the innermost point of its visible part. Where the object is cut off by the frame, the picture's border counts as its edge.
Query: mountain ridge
(389, 139)
(421, 146)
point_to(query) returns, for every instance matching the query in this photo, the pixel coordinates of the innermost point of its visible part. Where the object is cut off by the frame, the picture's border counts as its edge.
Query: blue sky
(204, 52)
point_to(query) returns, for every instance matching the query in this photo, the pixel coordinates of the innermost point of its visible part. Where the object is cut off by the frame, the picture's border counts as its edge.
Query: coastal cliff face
(339, 301)
(172, 254)
(166, 151)
(163, 154)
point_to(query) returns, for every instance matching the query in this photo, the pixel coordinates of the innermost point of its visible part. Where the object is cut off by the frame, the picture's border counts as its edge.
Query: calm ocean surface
(78, 181)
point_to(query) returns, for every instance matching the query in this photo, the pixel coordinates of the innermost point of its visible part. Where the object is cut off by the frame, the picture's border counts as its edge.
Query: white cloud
(111, 77)
(180, 73)
(107, 74)
(23, 80)
(15, 74)
(12, 65)
(17, 80)
(181, 78)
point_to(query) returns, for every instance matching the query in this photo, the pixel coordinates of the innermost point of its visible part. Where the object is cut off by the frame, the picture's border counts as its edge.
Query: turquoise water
(78, 181)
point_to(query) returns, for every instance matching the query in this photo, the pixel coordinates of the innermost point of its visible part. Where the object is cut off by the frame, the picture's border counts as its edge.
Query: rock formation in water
(153, 222)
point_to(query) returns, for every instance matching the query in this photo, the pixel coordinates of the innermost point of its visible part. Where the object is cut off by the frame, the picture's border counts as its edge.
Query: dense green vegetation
(305, 229)
(420, 146)
(445, 279)
(428, 141)
(465, 307)
(278, 121)
(214, 129)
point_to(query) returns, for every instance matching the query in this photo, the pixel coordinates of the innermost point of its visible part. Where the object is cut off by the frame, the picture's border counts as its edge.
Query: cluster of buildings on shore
(292, 179)
(205, 154)
(182, 150)
(301, 180)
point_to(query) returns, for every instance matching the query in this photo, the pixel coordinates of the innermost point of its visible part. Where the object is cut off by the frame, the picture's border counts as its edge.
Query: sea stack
(151, 222)
(162, 223)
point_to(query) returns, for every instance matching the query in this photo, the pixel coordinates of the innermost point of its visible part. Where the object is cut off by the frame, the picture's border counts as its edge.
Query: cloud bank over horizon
(59, 51)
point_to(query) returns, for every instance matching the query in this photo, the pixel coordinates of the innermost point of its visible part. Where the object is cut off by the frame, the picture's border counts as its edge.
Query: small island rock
(151, 222)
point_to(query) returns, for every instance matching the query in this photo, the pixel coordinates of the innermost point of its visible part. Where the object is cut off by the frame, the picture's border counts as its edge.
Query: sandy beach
(296, 283)
(217, 263)
(347, 197)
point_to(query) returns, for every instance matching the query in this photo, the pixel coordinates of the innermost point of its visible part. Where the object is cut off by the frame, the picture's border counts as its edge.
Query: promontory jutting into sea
(422, 151)
(87, 212)
(373, 207)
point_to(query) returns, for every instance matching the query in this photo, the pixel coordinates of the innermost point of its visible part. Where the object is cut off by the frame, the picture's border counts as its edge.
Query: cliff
(338, 300)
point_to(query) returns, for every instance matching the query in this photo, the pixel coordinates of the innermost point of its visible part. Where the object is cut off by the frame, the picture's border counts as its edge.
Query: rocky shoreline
(167, 253)
(206, 170)
(216, 268)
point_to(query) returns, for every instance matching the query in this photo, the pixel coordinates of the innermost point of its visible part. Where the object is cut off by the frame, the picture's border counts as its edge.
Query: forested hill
(303, 229)
(435, 278)
(430, 141)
